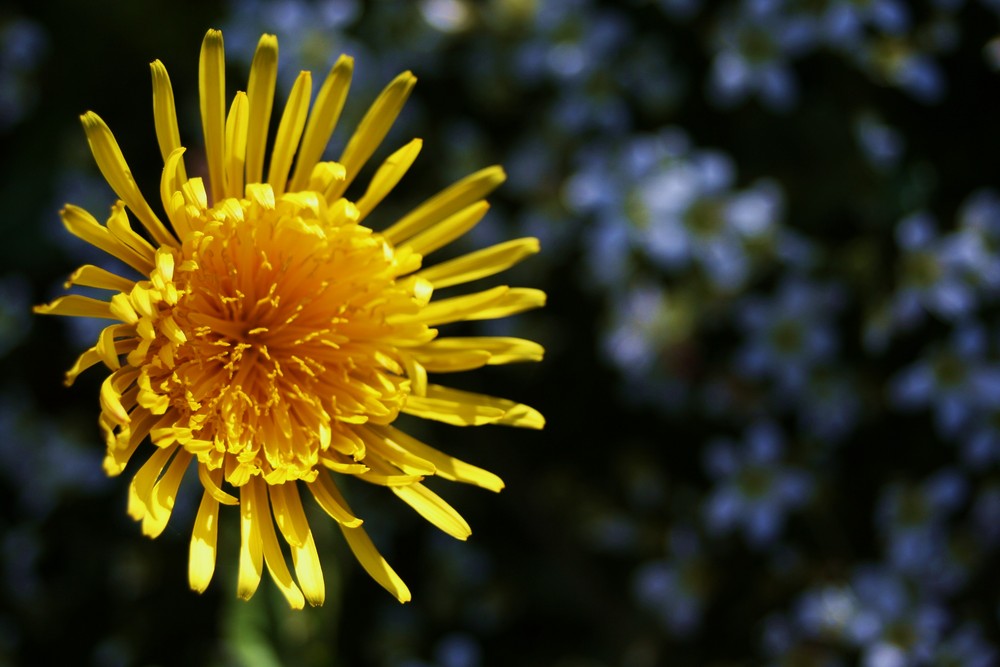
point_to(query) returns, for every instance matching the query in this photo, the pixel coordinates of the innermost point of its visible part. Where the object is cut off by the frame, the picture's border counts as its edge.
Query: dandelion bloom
(273, 338)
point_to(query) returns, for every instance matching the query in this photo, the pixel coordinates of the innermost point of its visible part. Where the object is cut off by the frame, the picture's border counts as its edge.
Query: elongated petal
(172, 182)
(373, 128)
(374, 564)
(295, 528)
(445, 466)
(448, 229)
(139, 501)
(332, 502)
(81, 224)
(322, 120)
(211, 481)
(119, 226)
(499, 301)
(402, 458)
(260, 93)
(76, 305)
(309, 571)
(433, 508)
(516, 300)
(273, 557)
(463, 408)
(236, 144)
(251, 544)
(445, 203)
(288, 513)
(388, 176)
(120, 450)
(212, 88)
(204, 537)
(116, 172)
(165, 114)
(479, 264)
(161, 500)
(89, 275)
(465, 353)
(289, 132)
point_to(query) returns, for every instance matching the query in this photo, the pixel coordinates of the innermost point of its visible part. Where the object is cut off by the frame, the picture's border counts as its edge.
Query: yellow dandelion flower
(273, 338)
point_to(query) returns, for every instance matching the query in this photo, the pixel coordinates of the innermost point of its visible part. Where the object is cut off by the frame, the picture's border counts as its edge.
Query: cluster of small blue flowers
(756, 44)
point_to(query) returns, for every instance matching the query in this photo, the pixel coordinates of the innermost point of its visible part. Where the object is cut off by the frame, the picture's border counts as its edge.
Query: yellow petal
(324, 174)
(293, 119)
(172, 183)
(433, 508)
(121, 229)
(165, 114)
(89, 358)
(523, 416)
(449, 229)
(452, 309)
(445, 203)
(212, 89)
(295, 528)
(273, 557)
(139, 500)
(164, 494)
(89, 275)
(76, 305)
(211, 481)
(309, 571)
(445, 466)
(456, 413)
(516, 300)
(120, 450)
(373, 128)
(260, 93)
(479, 264)
(375, 565)
(109, 349)
(398, 456)
(322, 120)
(463, 408)
(288, 513)
(388, 176)
(251, 545)
(466, 353)
(332, 502)
(236, 145)
(116, 172)
(82, 224)
(204, 537)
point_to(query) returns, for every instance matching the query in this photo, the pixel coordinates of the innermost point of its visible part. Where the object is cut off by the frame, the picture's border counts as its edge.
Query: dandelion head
(270, 338)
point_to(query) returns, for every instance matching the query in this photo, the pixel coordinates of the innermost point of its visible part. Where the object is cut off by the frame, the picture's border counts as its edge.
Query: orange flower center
(270, 335)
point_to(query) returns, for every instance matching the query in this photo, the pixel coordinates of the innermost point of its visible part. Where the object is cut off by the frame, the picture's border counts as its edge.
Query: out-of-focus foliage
(771, 240)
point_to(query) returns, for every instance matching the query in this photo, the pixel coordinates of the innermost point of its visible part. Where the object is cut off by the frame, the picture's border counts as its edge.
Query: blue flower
(976, 242)
(844, 21)
(912, 521)
(931, 274)
(789, 335)
(752, 53)
(878, 613)
(675, 588)
(754, 489)
(955, 381)
(966, 647)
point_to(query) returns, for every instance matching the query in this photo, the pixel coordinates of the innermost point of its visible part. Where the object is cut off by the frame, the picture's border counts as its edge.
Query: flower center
(271, 338)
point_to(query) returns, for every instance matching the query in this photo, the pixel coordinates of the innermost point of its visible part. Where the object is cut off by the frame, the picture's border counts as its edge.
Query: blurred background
(771, 244)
